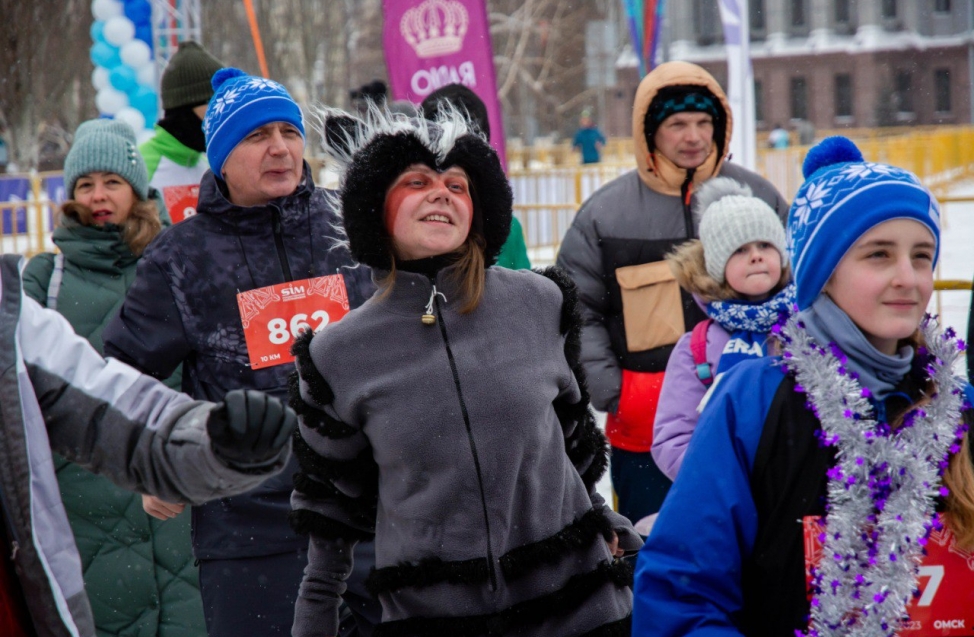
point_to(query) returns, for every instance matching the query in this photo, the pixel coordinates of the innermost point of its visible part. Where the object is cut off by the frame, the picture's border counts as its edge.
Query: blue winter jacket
(725, 556)
(182, 308)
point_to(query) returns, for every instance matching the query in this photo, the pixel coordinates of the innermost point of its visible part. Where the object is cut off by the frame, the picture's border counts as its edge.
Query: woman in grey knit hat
(447, 417)
(136, 569)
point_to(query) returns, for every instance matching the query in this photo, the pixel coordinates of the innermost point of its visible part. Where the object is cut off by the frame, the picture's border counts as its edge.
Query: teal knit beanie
(106, 145)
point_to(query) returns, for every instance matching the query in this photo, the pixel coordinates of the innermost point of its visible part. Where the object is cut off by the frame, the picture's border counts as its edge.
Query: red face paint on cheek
(407, 192)
(465, 197)
(394, 201)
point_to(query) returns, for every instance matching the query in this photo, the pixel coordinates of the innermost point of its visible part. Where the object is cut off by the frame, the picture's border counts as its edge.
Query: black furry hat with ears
(461, 97)
(373, 152)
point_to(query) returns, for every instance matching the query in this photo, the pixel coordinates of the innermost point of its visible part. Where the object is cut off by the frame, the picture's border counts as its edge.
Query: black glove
(249, 428)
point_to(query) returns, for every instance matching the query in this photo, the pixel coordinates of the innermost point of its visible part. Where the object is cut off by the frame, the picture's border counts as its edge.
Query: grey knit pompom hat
(106, 145)
(730, 217)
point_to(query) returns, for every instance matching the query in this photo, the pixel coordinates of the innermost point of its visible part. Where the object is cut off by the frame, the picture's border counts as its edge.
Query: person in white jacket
(58, 394)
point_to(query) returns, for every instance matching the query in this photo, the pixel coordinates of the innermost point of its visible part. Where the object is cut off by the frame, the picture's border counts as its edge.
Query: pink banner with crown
(431, 43)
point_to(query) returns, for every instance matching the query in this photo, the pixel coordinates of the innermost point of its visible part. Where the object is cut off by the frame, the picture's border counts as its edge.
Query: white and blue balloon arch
(132, 40)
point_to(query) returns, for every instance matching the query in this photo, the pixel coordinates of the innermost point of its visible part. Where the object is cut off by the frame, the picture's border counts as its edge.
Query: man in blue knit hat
(209, 295)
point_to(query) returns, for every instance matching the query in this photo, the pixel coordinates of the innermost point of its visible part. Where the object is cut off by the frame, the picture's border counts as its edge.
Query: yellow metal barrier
(550, 186)
(38, 218)
(942, 285)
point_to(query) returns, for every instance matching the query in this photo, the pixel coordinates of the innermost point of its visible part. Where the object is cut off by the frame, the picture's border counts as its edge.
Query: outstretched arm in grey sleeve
(142, 435)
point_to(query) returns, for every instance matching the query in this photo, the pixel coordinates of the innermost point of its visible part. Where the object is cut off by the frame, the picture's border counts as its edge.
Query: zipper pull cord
(429, 318)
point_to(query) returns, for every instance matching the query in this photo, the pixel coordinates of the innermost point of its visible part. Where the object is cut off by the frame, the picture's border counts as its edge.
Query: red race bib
(945, 607)
(275, 315)
(181, 201)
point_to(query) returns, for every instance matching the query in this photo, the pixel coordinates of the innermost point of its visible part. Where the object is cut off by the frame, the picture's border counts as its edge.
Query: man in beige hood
(633, 309)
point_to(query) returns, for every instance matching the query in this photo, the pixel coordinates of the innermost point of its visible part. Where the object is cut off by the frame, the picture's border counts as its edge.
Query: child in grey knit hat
(738, 271)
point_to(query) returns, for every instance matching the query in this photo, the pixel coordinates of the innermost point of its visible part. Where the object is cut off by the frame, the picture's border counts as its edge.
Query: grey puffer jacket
(467, 448)
(626, 223)
(634, 220)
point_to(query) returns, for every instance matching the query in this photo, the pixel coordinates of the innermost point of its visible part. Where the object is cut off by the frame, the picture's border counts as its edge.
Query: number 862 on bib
(274, 316)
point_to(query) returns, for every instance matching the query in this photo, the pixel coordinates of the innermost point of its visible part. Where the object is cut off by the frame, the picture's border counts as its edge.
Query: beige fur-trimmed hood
(664, 178)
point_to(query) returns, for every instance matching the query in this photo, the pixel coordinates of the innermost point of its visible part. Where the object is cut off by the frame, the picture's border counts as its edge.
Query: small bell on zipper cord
(429, 318)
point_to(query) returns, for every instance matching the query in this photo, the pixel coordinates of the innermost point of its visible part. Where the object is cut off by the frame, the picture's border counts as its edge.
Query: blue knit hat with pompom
(843, 197)
(241, 104)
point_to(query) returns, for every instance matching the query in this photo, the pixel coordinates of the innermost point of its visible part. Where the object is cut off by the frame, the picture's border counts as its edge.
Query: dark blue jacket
(182, 308)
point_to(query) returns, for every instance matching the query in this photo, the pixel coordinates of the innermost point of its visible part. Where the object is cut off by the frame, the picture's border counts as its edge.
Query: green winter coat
(514, 252)
(139, 571)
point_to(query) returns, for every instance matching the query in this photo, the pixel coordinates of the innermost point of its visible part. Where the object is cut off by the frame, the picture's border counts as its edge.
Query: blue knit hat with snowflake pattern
(241, 104)
(844, 197)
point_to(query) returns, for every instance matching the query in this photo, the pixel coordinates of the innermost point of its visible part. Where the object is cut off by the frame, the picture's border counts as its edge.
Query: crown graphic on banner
(435, 27)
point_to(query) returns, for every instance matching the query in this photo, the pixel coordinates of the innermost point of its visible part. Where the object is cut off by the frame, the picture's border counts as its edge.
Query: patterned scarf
(734, 315)
(748, 324)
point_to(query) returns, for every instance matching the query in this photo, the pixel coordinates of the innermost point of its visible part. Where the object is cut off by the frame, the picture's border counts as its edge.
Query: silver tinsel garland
(883, 487)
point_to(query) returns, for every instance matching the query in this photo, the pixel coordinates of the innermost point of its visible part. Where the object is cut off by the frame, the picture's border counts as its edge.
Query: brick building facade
(834, 63)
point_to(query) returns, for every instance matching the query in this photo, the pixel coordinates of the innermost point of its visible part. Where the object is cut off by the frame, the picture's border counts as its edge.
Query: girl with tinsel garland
(861, 421)
(738, 271)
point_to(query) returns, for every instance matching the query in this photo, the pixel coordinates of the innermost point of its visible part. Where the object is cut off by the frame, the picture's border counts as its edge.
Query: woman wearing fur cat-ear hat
(448, 416)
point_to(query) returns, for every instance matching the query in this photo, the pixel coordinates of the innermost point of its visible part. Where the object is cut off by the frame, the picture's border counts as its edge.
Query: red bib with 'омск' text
(945, 605)
(275, 315)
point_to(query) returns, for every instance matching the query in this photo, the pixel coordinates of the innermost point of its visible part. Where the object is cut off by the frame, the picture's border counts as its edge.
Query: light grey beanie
(730, 217)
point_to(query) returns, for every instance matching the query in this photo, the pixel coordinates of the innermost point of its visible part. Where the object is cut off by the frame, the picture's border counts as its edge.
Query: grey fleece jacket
(468, 450)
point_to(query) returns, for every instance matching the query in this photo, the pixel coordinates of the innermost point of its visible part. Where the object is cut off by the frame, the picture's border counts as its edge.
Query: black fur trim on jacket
(429, 571)
(533, 611)
(318, 387)
(361, 510)
(587, 446)
(305, 522)
(376, 166)
(570, 324)
(589, 443)
(318, 420)
(577, 535)
(360, 469)
(571, 412)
